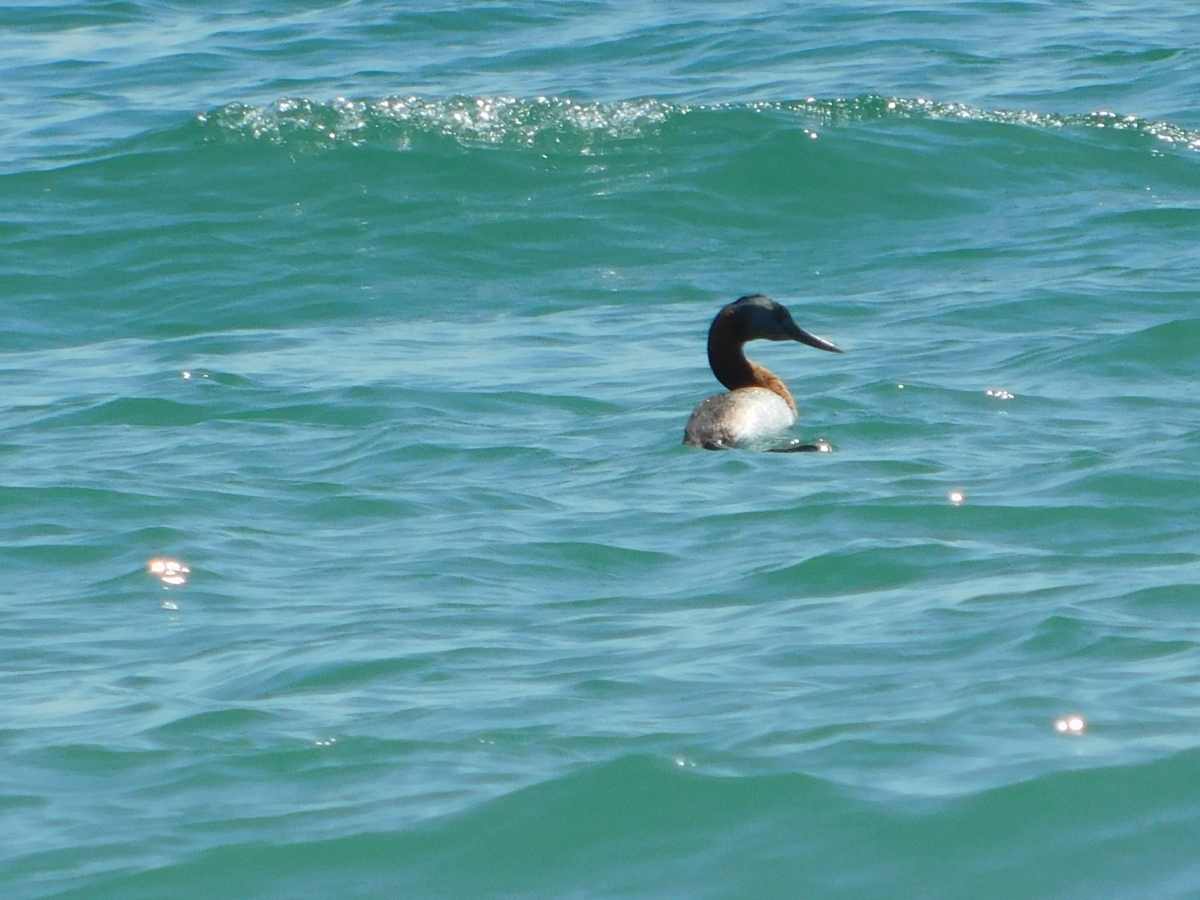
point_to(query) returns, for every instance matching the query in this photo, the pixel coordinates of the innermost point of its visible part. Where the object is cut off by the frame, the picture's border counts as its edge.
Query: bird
(758, 404)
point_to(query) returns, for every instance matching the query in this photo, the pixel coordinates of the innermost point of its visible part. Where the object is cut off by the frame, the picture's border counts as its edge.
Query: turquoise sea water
(385, 322)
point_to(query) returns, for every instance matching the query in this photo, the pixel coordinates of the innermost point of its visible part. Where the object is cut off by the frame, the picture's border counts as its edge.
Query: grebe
(758, 404)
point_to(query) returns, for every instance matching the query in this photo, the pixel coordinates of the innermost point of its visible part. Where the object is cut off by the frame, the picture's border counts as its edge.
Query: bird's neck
(727, 356)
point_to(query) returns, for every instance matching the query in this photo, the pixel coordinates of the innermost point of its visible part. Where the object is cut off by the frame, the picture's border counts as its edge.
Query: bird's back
(737, 418)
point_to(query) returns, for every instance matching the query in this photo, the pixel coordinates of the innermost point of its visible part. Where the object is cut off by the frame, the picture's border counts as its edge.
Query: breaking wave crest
(469, 120)
(566, 124)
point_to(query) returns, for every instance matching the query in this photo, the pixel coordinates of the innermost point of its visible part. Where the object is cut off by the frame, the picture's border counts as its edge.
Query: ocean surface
(347, 544)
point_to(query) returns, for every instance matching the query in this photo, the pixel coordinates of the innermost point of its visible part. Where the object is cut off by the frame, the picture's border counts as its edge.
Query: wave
(643, 827)
(469, 120)
(576, 126)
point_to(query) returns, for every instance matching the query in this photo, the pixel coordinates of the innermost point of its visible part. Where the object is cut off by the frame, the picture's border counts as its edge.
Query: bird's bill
(813, 341)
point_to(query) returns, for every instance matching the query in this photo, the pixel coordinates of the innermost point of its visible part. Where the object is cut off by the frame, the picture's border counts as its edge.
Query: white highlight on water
(169, 571)
(1073, 725)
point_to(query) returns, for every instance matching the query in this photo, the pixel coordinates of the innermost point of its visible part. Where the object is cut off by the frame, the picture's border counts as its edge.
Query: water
(378, 328)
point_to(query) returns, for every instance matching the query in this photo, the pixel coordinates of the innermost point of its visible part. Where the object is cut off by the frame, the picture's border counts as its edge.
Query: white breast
(738, 418)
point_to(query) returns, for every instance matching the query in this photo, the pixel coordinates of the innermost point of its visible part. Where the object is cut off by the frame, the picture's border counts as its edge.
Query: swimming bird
(758, 404)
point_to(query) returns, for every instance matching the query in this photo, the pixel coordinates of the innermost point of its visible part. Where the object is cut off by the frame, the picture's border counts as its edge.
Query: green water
(386, 325)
